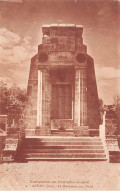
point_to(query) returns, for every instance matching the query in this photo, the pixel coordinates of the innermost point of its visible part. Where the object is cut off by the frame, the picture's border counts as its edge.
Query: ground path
(60, 176)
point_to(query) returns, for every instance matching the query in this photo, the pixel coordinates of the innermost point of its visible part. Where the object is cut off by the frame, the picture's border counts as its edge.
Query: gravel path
(60, 176)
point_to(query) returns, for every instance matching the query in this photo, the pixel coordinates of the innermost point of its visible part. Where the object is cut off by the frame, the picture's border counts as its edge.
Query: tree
(12, 100)
(4, 98)
(17, 99)
(116, 103)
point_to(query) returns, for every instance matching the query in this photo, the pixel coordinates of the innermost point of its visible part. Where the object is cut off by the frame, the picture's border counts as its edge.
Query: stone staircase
(53, 148)
(56, 132)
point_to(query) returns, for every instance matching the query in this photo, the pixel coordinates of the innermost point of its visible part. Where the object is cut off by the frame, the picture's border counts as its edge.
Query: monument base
(41, 131)
(81, 131)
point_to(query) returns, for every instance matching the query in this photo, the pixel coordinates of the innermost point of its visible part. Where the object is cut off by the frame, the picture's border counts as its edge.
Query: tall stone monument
(62, 91)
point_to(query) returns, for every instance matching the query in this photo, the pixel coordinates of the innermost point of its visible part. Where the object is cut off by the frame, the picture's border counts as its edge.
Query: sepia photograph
(59, 95)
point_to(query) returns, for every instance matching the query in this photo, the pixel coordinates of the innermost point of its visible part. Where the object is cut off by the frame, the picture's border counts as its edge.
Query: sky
(20, 35)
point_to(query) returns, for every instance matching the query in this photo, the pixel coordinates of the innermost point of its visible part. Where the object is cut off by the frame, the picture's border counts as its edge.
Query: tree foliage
(116, 103)
(12, 99)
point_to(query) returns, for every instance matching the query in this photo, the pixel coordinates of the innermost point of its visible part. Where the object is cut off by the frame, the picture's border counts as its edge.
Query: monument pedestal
(81, 131)
(43, 131)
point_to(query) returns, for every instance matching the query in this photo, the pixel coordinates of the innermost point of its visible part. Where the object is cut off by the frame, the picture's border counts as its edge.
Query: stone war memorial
(62, 110)
(62, 91)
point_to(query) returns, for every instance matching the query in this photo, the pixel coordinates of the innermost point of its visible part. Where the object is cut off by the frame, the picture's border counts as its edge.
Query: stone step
(42, 143)
(63, 151)
(61, 131)
(64, 155)
(63, 134)
(65, 159)
(63, 147)
(50, 138)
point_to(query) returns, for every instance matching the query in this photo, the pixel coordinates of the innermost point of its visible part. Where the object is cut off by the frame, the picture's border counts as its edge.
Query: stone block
(94, 132)
(29, 132)
(114, 156)
(112, 143)
(56, 123)
(41, 131)
(81, 131)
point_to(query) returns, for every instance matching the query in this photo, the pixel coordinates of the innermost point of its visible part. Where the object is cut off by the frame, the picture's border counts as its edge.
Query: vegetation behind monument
(116, 103)
(12, 101)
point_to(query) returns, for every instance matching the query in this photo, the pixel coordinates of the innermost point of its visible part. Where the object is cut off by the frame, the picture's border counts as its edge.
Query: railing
(103, 135)
(102, 128)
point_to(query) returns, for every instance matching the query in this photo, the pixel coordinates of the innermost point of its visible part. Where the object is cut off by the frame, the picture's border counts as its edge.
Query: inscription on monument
(62, 60)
